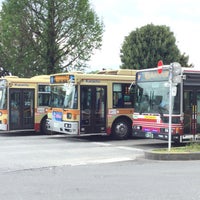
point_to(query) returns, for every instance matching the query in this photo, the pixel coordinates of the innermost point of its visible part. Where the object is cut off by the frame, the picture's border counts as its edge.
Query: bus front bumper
(70, 128)
(3, 127)
(152, 135)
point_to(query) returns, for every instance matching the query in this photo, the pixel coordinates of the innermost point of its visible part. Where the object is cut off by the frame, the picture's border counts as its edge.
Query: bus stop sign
(160, 65)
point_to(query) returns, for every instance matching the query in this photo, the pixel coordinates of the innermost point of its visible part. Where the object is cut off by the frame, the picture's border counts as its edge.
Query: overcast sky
(123, 16)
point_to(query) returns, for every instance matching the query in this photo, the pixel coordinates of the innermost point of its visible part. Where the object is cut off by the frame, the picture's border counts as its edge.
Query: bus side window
(43, 99)
(120, 101)
(123, 96)
(117, 100)
(39, 99)
(117, 95)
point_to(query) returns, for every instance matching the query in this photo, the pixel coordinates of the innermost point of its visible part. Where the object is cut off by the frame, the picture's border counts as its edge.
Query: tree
(144, 47)
(47, 36)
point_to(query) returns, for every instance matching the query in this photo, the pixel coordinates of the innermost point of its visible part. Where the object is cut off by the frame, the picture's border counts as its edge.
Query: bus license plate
(149, 135)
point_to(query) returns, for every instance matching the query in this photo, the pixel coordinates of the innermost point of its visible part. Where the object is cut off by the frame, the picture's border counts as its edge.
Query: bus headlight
(137, 127)
(67, 125)
(1, 113)
(164, 130)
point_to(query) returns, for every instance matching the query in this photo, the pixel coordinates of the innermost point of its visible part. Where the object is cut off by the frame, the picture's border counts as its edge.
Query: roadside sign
(160, 65)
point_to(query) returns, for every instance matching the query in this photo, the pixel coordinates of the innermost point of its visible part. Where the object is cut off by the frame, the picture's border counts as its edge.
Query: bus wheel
(43, 128)
(121, 129)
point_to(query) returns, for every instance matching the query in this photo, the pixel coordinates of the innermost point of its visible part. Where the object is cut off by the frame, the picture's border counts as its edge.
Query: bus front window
(63, 96)
(3, 98)
(153, 97)
(57, 96)
(70, 100)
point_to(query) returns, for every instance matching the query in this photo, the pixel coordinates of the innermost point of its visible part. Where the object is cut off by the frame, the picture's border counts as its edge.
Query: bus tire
(121, 129)
(43, 127)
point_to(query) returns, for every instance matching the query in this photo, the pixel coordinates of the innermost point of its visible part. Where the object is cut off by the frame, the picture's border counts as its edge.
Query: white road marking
(102, 161)
(102, 144)
(119, 147)
(130, 148)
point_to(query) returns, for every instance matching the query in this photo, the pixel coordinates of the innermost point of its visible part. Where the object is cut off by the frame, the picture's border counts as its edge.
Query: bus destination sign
(143, 76)
(62, 78)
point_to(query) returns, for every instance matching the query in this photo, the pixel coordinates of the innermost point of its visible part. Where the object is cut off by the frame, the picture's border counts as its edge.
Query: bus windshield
(64, 96)
(153, 97)
(3, 98)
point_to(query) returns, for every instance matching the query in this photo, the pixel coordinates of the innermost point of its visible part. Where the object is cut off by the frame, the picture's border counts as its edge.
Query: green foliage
(190, 147)
(144, 47)
(47, 36)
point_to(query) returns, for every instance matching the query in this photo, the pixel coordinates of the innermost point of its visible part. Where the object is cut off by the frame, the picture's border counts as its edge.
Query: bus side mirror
(176, 72)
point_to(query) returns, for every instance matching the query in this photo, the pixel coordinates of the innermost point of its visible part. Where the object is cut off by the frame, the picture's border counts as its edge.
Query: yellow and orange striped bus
(23, 103)
(88, 104)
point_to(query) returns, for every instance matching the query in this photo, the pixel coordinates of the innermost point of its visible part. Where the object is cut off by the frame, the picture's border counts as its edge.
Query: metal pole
(170, 108)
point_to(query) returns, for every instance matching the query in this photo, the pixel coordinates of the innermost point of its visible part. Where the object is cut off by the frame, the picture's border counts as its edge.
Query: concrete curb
(171, 156)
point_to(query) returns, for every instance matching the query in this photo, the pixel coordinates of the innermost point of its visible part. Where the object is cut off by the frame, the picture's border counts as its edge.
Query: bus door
(191, 109)
(21, 112)
(93, 109)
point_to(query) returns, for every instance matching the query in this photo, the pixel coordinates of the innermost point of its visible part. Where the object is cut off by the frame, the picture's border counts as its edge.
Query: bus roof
(125, 75)
(190, 70)
(128, 72)
(184, 69)
(40, 78)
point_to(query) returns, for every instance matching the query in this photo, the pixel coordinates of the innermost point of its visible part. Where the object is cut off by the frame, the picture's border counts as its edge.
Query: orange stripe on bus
(73, 112)
(4, 111)
(125, 111)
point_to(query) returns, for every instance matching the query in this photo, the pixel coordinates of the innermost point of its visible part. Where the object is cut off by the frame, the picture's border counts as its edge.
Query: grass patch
(189, 148)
